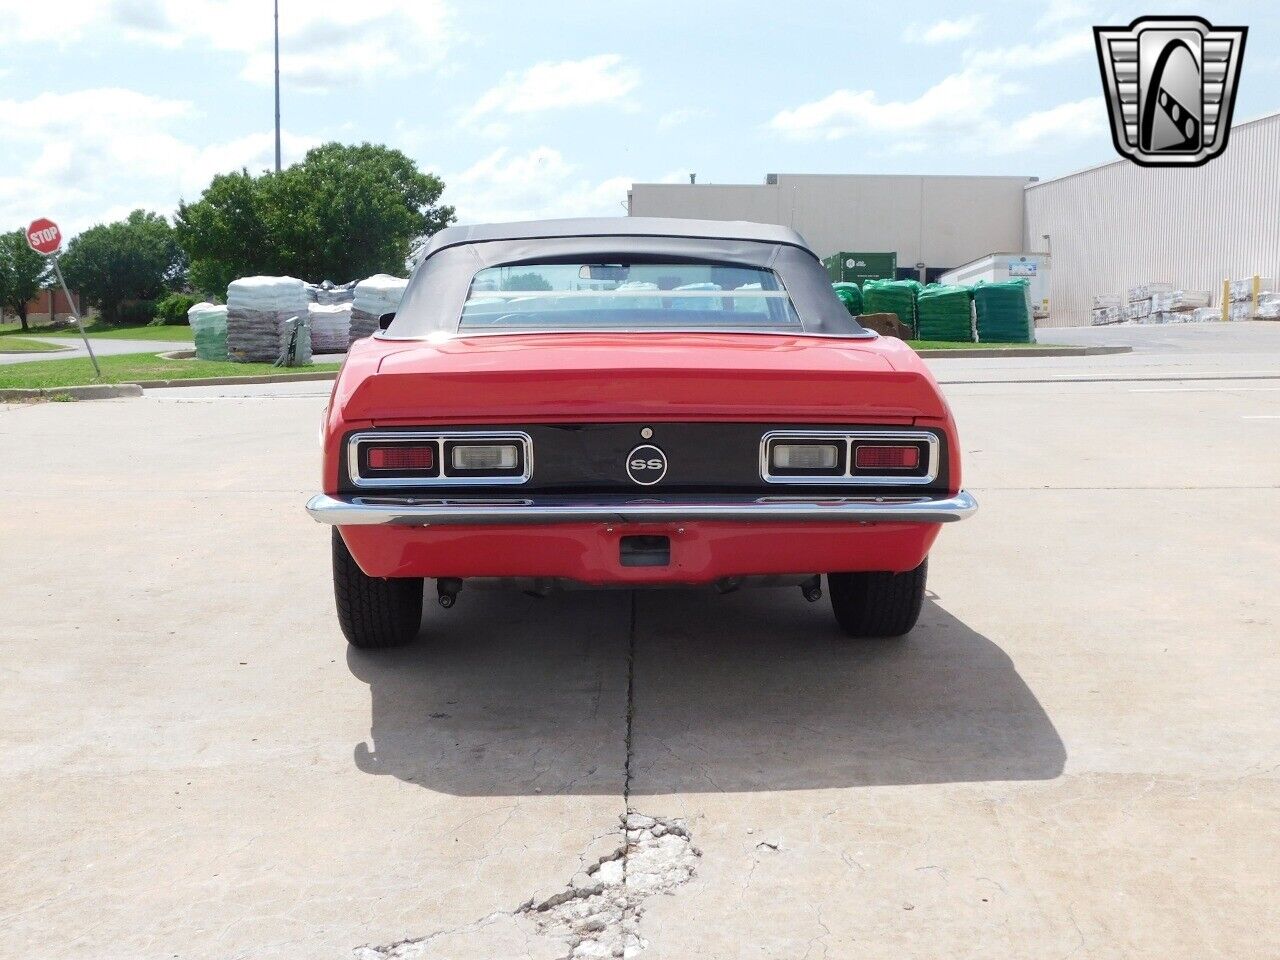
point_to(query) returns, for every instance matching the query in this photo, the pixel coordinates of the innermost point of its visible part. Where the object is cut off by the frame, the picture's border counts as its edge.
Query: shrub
(135, 313)
(172, 310)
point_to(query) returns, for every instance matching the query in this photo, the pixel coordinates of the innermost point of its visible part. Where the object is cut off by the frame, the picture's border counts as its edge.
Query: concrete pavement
(1075, 753)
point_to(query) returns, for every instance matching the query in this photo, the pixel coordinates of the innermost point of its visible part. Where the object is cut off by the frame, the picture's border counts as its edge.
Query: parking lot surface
(1074, 754)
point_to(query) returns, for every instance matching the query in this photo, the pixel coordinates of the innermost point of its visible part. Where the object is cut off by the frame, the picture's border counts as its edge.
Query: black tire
(877, 604)
(374, 612)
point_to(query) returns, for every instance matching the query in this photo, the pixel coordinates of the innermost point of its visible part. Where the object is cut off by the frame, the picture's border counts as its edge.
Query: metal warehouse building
(1107, 228)
(1115, 226)
(942, 222)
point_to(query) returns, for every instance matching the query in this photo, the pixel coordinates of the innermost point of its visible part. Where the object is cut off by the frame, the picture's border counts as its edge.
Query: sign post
(44, 237)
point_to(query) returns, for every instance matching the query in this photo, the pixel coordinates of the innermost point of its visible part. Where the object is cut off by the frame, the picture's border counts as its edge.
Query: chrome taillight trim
(439, 437)
(849, 438)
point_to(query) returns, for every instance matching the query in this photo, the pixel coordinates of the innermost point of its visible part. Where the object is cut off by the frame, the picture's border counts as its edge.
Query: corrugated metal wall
(1119, 225)
(939, 220)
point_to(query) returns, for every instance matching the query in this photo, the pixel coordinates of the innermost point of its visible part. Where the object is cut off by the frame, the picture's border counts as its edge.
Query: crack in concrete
(631, 705)
(598, 913)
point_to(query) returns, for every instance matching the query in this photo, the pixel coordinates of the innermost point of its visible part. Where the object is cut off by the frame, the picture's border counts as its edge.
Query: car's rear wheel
(374, 612)
(877, 604)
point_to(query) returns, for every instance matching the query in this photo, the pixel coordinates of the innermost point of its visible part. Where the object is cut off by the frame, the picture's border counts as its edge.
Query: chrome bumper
(432, 511)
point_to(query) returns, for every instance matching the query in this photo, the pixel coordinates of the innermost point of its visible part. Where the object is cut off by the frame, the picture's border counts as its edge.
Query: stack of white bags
(330, 326)
(329, 315)
(373, 297)
(1176, 301)
(258, 311)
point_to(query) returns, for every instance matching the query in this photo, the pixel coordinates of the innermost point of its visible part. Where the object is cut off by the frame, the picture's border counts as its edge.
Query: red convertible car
(631, 402)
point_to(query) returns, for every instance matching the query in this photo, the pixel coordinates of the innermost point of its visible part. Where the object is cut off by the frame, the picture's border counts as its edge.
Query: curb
(103, 391)
(980, 353)
(215, 381)
(178, 355)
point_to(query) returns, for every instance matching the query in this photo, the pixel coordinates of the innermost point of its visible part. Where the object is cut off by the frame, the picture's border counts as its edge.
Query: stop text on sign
(43, 236)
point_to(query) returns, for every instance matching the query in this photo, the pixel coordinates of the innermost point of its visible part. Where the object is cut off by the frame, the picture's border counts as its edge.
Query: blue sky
(534, 109)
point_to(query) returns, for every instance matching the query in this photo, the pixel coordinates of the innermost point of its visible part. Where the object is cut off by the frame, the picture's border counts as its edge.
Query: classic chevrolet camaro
(631, 402)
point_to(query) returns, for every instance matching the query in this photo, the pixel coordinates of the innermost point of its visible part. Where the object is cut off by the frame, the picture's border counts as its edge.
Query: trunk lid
(667, 376)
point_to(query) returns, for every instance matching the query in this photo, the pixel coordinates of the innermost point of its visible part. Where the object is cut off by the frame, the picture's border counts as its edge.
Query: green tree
(343, 213)
(137, 258)
(526, 281)
(225, 234)
(21, 273)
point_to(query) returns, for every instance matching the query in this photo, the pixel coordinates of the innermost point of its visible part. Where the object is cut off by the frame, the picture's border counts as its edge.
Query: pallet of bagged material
(1175, 301)
(1003, 310)
(1103, 300)
(330, 327)
(1206, 315)
(892, 296)
(330, 293)
(1245, 288)
(208, 324)
(1103, 316)
(259, 311)
(372, 298)
(1145, 291)
(945, 312)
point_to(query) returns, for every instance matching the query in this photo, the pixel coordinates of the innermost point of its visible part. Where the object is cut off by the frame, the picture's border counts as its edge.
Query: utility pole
(277, 15)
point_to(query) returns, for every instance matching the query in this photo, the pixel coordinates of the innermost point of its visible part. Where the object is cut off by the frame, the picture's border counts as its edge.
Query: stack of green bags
(944, 313)
(209, 330)
(892, 296)
(850, 296)
(1004, 313)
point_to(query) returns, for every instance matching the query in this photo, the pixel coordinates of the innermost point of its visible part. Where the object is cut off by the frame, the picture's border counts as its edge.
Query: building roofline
(848, 176)
(1110, 163)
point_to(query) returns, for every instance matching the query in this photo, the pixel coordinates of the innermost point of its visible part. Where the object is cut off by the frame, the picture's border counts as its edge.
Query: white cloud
(967, 110)
(680, 116)
(1077, 120)
(88, 150)
(604, 78)
(1058, 12)
(530, 186)
(955, 100)
(1066, 46)
(942, 31)
(324, 44)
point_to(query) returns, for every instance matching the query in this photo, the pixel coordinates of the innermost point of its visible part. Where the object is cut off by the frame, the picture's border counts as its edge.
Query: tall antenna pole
(277, 15)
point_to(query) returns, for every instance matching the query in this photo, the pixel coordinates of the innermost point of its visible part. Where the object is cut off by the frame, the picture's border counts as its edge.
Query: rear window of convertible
(631, 296)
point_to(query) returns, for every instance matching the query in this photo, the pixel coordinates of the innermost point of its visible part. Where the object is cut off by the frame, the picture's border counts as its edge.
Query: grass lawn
(132, 367)
(952, 345)
(98, 331)
(23, 345)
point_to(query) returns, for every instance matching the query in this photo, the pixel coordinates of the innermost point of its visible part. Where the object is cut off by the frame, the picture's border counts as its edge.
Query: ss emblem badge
(646, 465)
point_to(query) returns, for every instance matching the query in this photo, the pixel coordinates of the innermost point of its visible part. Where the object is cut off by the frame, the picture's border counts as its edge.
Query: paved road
(1075, 753)
(103, 348)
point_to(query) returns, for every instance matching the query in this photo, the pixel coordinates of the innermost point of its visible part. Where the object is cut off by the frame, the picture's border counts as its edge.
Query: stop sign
(43, 236)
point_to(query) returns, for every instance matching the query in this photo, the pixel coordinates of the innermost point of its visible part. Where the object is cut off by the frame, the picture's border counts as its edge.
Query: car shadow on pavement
(757, 690)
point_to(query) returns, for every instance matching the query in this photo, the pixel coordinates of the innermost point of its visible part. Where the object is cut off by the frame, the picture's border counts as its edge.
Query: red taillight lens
(402, 456)
(886, 458)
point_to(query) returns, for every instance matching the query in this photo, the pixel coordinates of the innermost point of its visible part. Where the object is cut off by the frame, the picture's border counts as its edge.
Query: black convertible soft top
(432, 303)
